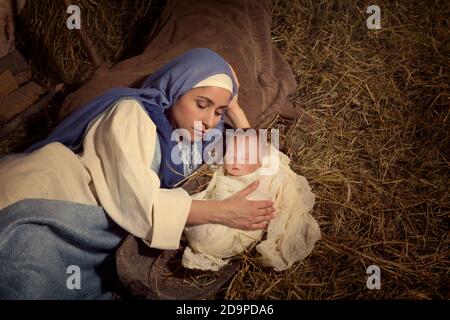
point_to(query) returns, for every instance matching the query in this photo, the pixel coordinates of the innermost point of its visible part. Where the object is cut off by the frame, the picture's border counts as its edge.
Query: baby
(290, 235)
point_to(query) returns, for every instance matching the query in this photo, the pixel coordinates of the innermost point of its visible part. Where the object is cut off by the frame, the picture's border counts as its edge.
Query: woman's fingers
(263, 219)
(264, 204)
(253, 215)
(271, 212)
(258, 226)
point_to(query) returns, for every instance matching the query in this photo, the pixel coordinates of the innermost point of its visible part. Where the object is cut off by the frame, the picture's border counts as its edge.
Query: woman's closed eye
(201, 106)
(217, 112)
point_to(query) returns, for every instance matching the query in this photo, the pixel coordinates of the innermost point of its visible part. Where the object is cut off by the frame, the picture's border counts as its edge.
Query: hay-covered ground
(379, 164)
(378, 158)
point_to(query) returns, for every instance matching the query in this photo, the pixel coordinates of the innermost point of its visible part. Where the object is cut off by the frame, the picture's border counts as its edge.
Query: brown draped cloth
(238, 30)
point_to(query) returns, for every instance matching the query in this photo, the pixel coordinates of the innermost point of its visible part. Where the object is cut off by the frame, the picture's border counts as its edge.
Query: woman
(114, 156)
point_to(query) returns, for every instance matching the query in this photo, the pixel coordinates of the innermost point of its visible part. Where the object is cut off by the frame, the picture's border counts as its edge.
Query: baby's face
(242, 156)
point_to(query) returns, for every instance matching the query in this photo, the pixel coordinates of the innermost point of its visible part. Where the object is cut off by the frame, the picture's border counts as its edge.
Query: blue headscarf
(158, 93)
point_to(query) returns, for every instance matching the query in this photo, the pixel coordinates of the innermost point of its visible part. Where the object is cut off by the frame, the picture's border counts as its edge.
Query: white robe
(291, 235)
(112, 171)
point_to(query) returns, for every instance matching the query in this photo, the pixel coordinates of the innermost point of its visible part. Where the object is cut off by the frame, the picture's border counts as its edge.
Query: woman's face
(203, 104)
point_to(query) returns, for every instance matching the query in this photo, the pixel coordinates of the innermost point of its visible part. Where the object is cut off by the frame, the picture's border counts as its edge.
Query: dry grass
(380, 164)
(117, 28)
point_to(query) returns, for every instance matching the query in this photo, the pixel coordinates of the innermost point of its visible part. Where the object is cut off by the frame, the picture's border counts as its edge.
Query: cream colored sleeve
(118, 151)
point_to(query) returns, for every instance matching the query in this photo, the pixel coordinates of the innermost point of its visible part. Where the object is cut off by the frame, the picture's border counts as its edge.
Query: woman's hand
(235, 211)
(240, 213)
(237, 116)
(234, 111)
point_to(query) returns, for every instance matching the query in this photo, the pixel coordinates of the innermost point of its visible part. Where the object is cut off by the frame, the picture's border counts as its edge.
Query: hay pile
(378, 161)
(119, 29)
(380, 164)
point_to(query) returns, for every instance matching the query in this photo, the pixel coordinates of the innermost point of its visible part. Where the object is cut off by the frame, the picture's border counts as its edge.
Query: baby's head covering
(160, 91)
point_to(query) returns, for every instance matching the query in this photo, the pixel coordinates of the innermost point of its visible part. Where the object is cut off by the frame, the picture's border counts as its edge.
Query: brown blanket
(238, 30)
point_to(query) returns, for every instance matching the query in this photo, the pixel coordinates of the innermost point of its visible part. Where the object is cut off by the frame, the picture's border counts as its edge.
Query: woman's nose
(209, 120)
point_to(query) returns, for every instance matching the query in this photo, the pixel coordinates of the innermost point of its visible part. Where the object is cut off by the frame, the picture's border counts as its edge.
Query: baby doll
(290, 235)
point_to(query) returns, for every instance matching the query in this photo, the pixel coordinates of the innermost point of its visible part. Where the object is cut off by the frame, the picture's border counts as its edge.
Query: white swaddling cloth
(291, 235)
